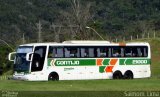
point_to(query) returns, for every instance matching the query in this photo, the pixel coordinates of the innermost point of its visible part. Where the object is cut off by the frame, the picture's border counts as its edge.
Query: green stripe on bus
(101, 69)
(92, 62)
(49, 62)
(72, 62)
(106, 61)
(134, 61)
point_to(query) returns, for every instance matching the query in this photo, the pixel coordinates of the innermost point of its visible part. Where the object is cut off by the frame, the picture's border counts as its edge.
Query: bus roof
(86, 43)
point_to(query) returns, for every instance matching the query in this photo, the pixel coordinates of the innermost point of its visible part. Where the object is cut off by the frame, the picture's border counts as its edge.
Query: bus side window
(142, 51)
(109, 52)
(116, 51)
(91, 52)
(59, 52)
(73, 52)
(78, 52)
(145, 51)
(139, 50)
(55, 52)
(67, 53)
(84, 52)
(128, 51)
(98, 52)
(102, 52)
(52, 52)
(122, 52)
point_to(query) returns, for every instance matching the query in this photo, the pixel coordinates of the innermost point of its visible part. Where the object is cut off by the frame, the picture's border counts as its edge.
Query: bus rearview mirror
(29, 56)
(11, 56)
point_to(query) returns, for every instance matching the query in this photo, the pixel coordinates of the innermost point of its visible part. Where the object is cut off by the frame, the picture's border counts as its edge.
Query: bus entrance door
(38, 58)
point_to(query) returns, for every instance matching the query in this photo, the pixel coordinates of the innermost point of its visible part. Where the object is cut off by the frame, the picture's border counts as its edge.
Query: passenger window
(94, 52)
(51, 52)
(67, 52)
(145, 50)
(84, 52)
(109, 52)
(59, 53)
(116, 51)
(128, 52)
(72, 52)
(142, 51)
(102, 52)
(55, 52)
(139, 50)
(91, 52)
(136, 51)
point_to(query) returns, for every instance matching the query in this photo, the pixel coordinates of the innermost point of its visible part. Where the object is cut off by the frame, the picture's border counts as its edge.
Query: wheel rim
(53, 77)
(50, 77)
(128, 75)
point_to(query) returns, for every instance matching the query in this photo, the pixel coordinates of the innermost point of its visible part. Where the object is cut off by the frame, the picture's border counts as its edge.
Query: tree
(77, 16)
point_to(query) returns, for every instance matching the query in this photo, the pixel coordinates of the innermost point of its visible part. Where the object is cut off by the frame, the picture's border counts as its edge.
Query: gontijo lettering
(67, 63)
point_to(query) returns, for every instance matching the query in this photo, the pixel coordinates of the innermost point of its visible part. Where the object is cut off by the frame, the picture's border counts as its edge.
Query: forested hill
(67, 19)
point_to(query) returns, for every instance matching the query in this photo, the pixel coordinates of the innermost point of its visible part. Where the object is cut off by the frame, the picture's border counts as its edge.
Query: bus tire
(117, 75)
(53, 76)
(128, 75)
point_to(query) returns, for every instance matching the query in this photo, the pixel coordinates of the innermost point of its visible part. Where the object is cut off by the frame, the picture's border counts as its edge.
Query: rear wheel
(117, 75)
(53, 77)
(128, 75)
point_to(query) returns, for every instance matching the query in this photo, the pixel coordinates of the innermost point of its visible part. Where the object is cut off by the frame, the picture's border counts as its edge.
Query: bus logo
(67, 63)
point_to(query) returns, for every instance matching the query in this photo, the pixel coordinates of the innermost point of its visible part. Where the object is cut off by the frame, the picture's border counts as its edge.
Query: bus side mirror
(11, 56)
(29, 56)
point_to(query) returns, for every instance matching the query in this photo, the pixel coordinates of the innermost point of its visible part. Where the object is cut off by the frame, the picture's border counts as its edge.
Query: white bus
(81, 60)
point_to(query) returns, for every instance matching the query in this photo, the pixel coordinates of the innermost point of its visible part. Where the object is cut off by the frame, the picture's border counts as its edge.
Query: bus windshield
(20, 63)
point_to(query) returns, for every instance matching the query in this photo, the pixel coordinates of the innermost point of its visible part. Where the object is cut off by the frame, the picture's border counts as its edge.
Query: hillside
(67, 19)
(58, 20)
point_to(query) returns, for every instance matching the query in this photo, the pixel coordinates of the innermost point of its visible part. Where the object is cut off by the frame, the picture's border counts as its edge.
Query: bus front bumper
(20, 77)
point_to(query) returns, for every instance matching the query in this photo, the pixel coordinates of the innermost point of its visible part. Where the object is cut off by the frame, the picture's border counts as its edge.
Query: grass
(81, 88)
(83, 85)
(150, 84)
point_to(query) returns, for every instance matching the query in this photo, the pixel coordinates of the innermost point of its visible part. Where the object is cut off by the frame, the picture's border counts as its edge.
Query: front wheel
(53, 77)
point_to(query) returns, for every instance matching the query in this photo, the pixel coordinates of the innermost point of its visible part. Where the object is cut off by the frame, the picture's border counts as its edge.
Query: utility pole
(56, 33)
(39, 26)
(154, 34)
(23, 39)
(137, 36)
(131, 38)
